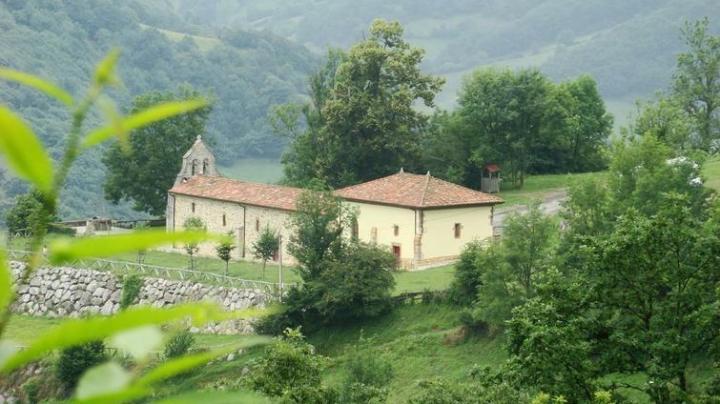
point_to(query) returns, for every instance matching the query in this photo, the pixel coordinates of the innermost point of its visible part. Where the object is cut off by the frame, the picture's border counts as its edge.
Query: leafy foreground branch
(135, 331)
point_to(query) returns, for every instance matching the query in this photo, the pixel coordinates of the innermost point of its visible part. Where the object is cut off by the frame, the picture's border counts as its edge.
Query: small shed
(490, 181)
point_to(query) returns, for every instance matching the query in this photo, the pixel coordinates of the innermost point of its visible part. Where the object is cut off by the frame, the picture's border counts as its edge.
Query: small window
(204, 167)
(257, 224)
(224, 220)
(458, 230)
(192, 207)
(396, 230)
(194, 167)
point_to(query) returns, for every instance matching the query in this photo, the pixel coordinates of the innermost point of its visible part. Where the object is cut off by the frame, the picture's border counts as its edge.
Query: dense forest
(244, 72)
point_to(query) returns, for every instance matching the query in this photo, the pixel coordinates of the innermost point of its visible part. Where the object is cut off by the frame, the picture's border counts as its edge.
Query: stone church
(424, 221)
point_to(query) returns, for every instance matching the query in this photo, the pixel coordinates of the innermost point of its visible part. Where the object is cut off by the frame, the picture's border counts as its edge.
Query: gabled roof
(250, 193)
(416, 191)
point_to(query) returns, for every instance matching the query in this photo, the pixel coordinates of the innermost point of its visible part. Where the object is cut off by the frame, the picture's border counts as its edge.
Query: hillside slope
(629, 47)
(245, 72)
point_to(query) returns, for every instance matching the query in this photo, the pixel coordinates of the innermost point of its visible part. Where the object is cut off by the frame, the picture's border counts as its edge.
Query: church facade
(424, 221)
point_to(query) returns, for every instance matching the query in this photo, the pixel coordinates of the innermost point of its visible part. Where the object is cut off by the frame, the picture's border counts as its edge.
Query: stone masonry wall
(71, 292)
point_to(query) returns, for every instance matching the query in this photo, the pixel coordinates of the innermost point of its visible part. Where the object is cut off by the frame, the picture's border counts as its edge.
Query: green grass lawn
(541, 186)
(711, 171)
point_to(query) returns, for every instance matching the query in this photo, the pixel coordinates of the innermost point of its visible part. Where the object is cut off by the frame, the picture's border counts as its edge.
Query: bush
(74, 361)
(311, 394)
(289, 367)
(367, 376)
(355, 286)
(473, 324)
(464, 287)
(273, 324)
(31, 389)
(179, 344)
(130, 290)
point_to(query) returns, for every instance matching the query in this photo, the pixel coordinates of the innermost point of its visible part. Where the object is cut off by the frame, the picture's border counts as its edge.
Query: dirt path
(550, 205)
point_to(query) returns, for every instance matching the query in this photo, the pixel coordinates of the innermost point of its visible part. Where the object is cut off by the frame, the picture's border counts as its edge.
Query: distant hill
(628, 46)
(246, 72)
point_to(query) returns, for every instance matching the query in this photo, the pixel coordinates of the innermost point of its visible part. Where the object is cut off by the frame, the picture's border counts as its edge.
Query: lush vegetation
(82, 367)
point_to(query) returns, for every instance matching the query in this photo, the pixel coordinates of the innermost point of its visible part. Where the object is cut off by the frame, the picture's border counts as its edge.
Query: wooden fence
(125, 267)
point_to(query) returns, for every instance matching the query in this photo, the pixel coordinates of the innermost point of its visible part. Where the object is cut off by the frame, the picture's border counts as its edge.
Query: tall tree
(306, 158)
(577, 125)
(697, 79)
(657, 276)
(148, 169)
(368, 126)
(505, 111)
(665, 119)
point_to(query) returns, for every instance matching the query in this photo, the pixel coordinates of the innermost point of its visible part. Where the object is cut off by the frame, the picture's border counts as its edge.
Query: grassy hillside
(629, 47)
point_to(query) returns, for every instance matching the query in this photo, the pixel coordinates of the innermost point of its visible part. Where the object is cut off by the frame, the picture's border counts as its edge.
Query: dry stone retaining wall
(72, 292)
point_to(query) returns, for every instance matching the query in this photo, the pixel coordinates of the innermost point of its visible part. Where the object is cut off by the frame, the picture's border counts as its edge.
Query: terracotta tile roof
(251, 193)
(416, 191)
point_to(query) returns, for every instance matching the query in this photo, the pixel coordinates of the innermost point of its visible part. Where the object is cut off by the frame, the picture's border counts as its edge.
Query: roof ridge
(425, 188)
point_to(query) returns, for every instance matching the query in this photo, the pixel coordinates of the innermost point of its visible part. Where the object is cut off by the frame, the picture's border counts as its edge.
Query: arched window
(205, 167)
(194, 167)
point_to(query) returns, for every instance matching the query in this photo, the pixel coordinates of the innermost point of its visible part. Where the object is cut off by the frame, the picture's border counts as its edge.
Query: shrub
(273, 324)
(464, 287)
(31, 389)
(130, 290)
(473, 324)
(289, 367)
(74, 361)
(311, 394)
(367, 378)
(179, 344)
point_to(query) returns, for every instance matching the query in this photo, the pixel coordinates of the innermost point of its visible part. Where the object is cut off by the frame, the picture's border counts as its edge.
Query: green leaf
(7, 349)
(37, 83)
(6, 288)
(143, 118)
(108, 378)
(69, 249)
(105, 70)
(79, 331)
(23, 151)
(138, 342)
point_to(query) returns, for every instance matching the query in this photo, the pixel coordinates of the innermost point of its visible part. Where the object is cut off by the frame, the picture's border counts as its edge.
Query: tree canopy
(363, 112)
(144, 169)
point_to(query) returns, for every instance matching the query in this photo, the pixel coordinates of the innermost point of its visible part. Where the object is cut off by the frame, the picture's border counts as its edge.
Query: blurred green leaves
(6, 292)
(80, 331)
(105, 70)
(37, 83)
(142, 118)
(23, 152)
(138, 342)
(101, 380)
(69, 249)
